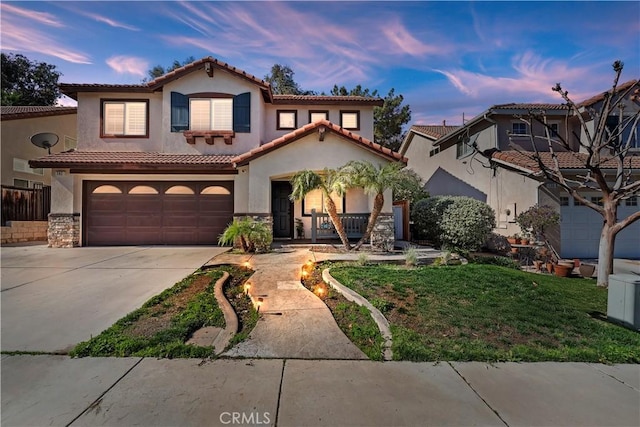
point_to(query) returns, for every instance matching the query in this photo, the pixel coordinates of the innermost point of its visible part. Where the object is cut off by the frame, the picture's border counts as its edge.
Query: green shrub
(497, 260)
(253, 236)
(427, 216)
(466, 223)
(454, 222)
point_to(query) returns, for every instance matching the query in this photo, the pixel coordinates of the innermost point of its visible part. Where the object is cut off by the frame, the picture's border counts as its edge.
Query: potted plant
(299, 228)
(587, 270)
(536, 219)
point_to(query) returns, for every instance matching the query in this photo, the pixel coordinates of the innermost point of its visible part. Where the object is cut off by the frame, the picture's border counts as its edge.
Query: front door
(282, 209)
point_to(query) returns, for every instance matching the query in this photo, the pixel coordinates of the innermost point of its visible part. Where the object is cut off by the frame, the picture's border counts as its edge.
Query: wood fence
(25, 204)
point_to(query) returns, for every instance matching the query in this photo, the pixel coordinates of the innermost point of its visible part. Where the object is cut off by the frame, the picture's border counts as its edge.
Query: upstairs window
(125, 118)
(518, 128)
(315, 116)
(631, 201)
(287, 119)
(208, 112)
(211, 114)
(350, 120)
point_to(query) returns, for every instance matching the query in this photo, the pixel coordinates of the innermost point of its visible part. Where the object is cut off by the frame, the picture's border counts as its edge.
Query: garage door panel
(137, 213)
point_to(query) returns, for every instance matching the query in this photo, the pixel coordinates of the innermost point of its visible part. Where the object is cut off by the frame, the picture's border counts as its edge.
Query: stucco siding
(16, 144)
(305, 153)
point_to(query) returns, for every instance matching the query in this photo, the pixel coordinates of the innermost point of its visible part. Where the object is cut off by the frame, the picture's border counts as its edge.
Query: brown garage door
(156, 213)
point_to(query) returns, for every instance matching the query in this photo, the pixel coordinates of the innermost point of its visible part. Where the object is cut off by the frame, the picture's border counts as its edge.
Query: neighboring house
(172, 161)
(450, 165)
(18, 125)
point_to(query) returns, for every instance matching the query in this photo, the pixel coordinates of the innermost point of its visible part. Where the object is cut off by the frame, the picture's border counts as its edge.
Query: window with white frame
(564, 200)
(211, 113)
(287, 119)
(315, 200)
(631, 201)
(350, 120)
(518, 128)
(20, 183)
(125, 118)
(315, 116)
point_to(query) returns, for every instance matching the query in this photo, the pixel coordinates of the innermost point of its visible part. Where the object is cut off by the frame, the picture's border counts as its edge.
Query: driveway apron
(294, 323)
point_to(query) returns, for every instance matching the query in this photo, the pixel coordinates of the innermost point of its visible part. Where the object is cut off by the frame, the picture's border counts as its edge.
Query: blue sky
(446, 58)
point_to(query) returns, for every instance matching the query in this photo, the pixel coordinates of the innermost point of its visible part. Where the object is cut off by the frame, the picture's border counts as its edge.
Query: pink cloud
(123, 64)
(40, 17)
(109, 21)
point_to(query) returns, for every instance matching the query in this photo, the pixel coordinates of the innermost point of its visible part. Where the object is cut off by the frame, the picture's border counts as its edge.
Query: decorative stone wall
(383, 234)
(24, 231)
(64, 230)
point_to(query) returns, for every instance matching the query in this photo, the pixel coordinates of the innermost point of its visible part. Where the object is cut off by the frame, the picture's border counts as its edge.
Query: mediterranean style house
(445, 158)
(174, 160)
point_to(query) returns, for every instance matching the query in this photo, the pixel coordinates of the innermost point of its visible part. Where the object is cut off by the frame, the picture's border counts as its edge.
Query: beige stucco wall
(503, 189)
(305, 153)
(89, 124)
(15, 140)
(222, 82)
(271, 118)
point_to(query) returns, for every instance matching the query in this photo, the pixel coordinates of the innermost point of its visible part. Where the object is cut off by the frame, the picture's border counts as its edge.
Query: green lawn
(491, 313)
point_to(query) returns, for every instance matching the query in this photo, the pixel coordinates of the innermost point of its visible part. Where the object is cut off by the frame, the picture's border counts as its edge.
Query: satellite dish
(45, 140)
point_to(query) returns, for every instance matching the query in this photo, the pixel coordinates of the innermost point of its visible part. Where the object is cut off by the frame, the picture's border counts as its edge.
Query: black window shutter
(179, 112)
(242, 113)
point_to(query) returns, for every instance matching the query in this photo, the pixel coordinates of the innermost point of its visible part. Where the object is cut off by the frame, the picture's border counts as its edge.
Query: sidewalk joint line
(478, 394)
(284, 362)
(612, 376)
(99, 399)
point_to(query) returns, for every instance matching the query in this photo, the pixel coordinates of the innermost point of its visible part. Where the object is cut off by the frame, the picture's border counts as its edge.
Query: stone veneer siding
(64, 230)
(24, 231)
(383, 234)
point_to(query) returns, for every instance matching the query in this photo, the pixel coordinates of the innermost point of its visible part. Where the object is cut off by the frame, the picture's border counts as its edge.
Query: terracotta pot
(511, 240)
(524, 241)
(514, 250)
(550, 267)
(563, 270)
(587, 270)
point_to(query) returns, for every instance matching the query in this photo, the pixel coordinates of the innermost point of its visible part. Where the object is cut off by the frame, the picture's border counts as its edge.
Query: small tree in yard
(536, 219)
(329, 182)
(375, 181)
(608, 133)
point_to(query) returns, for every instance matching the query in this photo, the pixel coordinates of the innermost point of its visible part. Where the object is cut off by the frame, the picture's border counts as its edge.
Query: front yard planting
(490, 313)
(161, 327)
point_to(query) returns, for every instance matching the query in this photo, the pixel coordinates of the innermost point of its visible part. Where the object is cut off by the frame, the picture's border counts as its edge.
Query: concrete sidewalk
(56, 390)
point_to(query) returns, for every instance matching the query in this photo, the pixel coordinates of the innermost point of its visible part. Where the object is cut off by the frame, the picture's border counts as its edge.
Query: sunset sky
(446, 58)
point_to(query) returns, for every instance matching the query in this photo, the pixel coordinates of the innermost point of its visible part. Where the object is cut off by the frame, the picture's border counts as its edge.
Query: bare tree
(606, 131)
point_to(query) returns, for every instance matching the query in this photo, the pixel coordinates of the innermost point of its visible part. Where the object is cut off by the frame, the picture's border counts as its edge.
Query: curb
(230, 317)
(378, 317)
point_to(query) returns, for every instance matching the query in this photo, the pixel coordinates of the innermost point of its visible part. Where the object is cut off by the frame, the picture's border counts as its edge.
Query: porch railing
(354, 225)
(25, 204)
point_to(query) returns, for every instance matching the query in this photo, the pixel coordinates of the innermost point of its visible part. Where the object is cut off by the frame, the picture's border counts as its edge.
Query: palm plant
(329, 182)
(251, 234)
(375, 181)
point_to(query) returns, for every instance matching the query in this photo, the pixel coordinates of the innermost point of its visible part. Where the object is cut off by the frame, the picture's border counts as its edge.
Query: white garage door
(581, 227)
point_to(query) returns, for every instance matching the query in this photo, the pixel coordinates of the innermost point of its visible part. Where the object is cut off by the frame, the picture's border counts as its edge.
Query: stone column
(383, 234)
(64, 230)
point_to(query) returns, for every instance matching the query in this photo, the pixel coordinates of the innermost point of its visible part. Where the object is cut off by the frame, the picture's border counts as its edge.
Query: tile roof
(132, 161)
(599, 97)
(27, 112)
(434, 131)
(327, 100)
(200, 63)
(529, 106)
(72, 89)
(387, 153)
(566, 160)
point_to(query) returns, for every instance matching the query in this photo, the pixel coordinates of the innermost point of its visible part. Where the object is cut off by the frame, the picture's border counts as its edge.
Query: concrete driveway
(53, 299)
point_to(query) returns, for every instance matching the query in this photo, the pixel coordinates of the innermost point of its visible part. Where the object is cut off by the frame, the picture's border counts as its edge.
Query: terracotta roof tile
(27, 112)
(435, 131)
(327, 100)
(566, 160)
(599, 97)
(529, 106)
(129, 160)
(309, 128)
